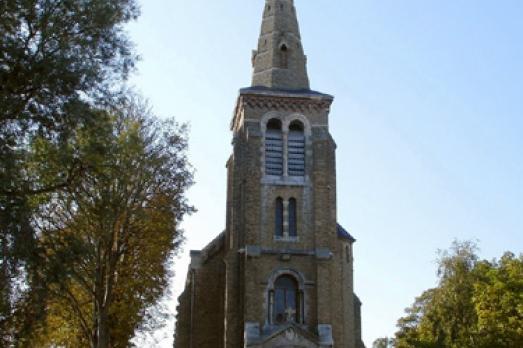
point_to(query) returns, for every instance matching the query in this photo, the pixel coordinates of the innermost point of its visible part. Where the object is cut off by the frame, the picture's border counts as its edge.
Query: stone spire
(279, 62)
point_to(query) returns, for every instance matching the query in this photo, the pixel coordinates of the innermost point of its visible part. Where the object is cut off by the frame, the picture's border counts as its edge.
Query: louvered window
(296, 150)
(274, 148)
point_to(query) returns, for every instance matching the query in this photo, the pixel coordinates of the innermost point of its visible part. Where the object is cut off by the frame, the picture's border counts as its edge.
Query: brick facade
(232, 294)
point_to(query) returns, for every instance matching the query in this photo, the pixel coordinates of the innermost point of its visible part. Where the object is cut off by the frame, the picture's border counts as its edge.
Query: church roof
(344, 234)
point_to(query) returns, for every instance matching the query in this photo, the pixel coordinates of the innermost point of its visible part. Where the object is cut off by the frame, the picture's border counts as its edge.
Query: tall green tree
(58, 59)
(477, 304)
(106, 242)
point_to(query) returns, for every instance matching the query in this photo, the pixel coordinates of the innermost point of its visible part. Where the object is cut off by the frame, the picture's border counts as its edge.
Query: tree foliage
(498, 301)
(60, 60)
(477, 304)
(91, 188)
(106, 242)
(56, 56)
(57, 59)
(383, 342)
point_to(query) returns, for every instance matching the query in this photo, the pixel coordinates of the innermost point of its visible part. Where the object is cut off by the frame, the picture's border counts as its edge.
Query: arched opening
(296, 149)
(296, 126)
(286, 301)
(278, 217)
(284, 56)
(274, 124)
(293, 224)
(274, 148)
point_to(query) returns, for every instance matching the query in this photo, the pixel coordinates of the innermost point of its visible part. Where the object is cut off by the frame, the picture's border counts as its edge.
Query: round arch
(284, 306)
(269, 116)
(297, 117)
(300, 279)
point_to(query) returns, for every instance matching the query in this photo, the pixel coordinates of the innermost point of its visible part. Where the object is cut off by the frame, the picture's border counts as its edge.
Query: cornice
(288, 101)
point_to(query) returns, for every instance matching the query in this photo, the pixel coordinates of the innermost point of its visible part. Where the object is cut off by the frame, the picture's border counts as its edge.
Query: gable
(291, 337)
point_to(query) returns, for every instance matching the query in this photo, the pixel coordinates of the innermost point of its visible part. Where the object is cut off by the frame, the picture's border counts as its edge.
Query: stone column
(285, 152)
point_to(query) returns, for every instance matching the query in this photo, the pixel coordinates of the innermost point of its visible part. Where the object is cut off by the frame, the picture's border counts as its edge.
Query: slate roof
(279, 91)
(342, 233)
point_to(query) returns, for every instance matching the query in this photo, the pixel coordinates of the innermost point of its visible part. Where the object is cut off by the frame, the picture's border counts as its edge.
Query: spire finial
(279, 62)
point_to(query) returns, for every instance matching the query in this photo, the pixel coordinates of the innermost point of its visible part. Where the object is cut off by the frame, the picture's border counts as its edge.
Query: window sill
(286, 239)
(284, 180)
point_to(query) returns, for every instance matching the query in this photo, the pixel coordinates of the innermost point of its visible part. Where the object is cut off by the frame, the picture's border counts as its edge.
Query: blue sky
(428, 118)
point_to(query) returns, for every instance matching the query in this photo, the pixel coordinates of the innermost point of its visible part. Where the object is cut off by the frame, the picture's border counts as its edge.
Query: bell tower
(290, 258)
(281, 274)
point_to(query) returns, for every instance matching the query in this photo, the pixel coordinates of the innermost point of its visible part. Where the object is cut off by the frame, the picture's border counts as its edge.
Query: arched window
(278, 218)
(293, 225)
(296, 149)
(284, 57)
(285, 301)
(274, 148)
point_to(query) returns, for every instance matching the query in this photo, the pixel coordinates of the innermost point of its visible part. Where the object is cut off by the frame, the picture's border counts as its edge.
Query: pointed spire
(279, 62)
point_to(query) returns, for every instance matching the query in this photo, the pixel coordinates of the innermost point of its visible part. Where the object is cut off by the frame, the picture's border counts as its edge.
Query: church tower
(281, 274)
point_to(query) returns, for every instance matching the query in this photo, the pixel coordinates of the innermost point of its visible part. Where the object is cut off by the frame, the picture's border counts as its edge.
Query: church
(281, 273)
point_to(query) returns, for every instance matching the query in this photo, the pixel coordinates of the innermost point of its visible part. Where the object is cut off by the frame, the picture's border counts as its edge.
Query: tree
(56, 56)
(106, 242)
(498, 300)
(58, 59)
(384, 342)
(476, 304)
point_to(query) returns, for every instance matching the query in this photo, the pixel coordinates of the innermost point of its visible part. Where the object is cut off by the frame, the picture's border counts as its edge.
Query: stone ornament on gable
(290, 334)
(290, 313)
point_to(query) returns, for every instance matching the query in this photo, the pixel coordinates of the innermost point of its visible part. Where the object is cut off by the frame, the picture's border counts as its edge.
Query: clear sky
(428, 118)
